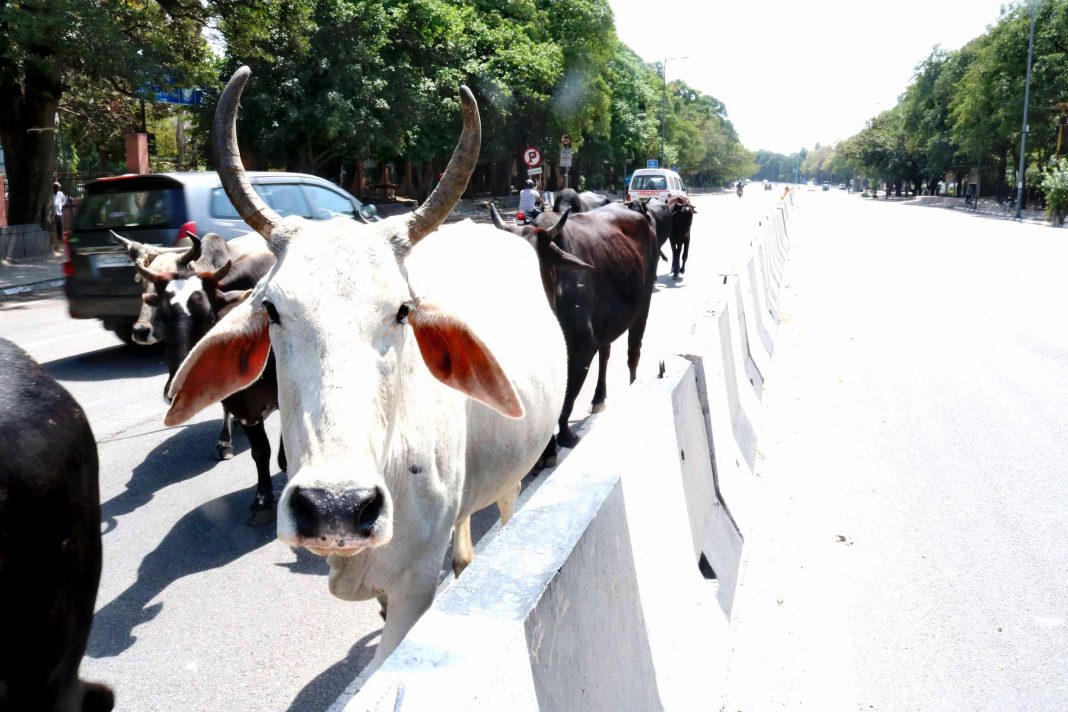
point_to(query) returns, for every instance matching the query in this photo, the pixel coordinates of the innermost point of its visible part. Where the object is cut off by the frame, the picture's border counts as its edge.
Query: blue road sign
(173, 95)
(652, 163)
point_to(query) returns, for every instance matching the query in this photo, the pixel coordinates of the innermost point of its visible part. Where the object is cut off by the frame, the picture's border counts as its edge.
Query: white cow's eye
(402, 314)
(272, 313)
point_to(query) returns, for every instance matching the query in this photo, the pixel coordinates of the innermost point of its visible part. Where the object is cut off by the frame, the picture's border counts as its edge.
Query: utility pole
(663, 109)
(1023, 129)
(1063, 106)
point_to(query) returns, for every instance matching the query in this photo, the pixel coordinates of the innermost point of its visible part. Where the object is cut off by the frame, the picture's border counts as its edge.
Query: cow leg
(548, 456)
(225, 445)
(634, 341)
(600, 394)
(282, 462)
(463, 551)
(263, 505)
(579, 357)
(685, 253)
(506, 504)
(408, 600)
(676, 248)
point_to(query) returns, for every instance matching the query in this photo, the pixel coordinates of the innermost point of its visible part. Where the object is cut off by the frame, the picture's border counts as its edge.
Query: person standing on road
(529, 199)
(59, 199)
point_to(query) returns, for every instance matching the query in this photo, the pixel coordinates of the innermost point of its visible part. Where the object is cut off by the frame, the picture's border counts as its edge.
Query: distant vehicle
(810, 186)
(826, 185)
(659, 183)
(161, 209)
(841, 186)
(767, 185)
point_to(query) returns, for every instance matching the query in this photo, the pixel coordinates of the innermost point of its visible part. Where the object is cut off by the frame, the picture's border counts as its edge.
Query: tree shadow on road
(109, 363)
(325, 688)
(186, 454)
(212, 535)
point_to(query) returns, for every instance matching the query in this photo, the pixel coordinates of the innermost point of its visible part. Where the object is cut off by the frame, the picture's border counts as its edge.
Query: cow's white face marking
(180, 291)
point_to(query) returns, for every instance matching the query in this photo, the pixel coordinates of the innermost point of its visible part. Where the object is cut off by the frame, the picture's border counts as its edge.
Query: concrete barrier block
(595, 579)
(756, 295)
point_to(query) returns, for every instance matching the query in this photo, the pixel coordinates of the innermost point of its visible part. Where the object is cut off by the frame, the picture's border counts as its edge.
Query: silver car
(160, 209)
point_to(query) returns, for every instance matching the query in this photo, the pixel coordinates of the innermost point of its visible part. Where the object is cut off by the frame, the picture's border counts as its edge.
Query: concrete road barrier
(612, 587)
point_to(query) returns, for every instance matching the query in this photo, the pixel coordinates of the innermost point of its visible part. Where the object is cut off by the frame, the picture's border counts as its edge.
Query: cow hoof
(261, 517)
(598, 407)
(682, 270)
(568, 440)
(226, 451)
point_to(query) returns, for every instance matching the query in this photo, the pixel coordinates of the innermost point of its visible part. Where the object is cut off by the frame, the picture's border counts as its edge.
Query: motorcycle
(739, 188)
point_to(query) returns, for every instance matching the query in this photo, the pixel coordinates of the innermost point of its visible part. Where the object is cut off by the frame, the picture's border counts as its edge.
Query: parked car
(161, 209)
(826, 185)
(649, 183)
(767, 185)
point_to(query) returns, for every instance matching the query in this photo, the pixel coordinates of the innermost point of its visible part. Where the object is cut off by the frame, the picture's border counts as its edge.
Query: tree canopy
(340, 82)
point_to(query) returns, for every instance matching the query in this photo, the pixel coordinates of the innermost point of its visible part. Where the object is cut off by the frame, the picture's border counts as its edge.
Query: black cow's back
(50, 548)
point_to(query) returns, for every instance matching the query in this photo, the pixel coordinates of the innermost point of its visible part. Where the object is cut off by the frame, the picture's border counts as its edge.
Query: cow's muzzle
(142, 334)
(344, 523)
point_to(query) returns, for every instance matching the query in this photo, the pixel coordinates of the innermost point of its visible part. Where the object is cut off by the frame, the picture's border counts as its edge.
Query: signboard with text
(652, 163)
(565, 157)
(534, 171)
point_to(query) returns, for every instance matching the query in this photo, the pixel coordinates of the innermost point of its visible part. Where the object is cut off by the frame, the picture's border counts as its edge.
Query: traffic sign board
(652, 163)
(534, 171)
(531, 156)
(565, 157)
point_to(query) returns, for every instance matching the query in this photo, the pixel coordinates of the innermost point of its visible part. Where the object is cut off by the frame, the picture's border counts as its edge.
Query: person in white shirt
(59, 199)
(529, 200)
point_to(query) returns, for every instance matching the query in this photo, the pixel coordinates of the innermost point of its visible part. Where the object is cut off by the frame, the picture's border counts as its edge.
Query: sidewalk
(26, 277)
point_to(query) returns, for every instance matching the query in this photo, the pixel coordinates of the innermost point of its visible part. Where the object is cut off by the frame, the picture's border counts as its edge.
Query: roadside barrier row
(611, 588)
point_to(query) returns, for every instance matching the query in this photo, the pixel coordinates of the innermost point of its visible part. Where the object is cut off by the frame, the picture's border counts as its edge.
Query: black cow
(596, 305)
(49, 541)
(188, 302)
(584, 202)
(672, 221)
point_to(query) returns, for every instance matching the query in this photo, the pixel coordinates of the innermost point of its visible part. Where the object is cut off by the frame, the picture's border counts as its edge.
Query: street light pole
(663, 109)
(1023, 129)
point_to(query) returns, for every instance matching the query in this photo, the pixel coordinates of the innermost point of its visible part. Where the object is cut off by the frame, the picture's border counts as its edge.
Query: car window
(221, 207)
(286, 199)
(649, 183)
(328, 203)
(129, 208)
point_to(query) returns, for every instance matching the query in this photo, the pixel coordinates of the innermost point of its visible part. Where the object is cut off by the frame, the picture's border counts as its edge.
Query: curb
(31, 287)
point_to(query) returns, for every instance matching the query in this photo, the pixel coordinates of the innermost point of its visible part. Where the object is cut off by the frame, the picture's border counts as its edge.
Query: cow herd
(420, 372)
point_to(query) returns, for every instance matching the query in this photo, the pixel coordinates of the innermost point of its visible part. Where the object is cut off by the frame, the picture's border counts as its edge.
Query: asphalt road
(196, 610)
(913, 547)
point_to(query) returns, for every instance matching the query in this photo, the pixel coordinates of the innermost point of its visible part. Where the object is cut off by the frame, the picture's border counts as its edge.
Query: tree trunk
(406, 187)
(27, 134)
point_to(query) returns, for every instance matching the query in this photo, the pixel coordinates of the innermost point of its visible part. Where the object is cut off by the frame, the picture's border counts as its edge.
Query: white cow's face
(337, 305)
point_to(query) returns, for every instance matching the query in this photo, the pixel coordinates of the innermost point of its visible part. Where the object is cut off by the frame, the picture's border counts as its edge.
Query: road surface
(913, 548)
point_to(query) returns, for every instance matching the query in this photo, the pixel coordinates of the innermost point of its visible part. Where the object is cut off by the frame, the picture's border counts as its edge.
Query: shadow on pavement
(307, 563)
(324, 689)
(666, 281)
(184, 455)
(109, 363)
(212, 535)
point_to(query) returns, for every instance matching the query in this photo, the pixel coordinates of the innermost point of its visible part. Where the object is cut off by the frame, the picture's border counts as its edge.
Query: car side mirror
(368, 213)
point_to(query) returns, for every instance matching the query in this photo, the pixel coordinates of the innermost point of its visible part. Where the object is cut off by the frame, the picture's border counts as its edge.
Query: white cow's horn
(437, 207)
(248, 204)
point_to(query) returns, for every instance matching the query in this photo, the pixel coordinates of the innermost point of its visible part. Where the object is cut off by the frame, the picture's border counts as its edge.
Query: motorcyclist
(739, 186)
(530, 202)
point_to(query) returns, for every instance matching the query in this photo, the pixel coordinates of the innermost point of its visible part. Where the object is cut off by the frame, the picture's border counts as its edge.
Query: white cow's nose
(348, 514)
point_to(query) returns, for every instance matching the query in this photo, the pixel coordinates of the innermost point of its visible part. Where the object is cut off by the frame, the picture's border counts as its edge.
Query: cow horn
(248, 204)
(218, 275)
(193, 253)
(497, 222)
(437, 207)
(148, 273)
(558, 226)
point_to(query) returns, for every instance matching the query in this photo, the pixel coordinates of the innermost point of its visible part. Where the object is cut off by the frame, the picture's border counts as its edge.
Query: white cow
(417, 383)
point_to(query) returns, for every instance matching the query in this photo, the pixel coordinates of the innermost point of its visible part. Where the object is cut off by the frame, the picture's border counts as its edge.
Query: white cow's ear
(230, 357)
(459, 359)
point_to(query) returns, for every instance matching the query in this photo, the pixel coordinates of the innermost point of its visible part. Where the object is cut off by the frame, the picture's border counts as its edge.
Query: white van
(649, 183)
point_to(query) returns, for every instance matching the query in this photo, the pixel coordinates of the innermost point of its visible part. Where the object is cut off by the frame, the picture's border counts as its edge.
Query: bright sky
(796, 73)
